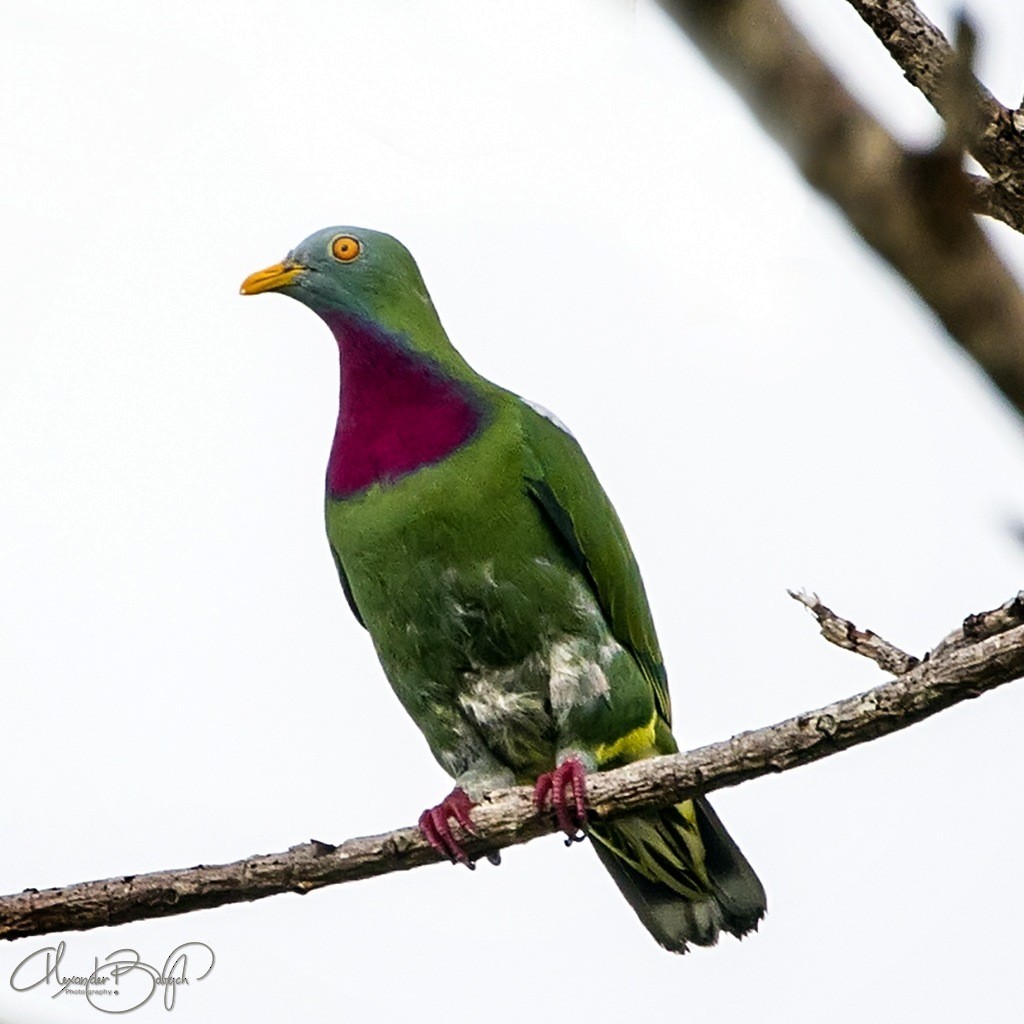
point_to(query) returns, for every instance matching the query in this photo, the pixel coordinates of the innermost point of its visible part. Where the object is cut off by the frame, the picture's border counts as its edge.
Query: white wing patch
(575, 678)
(550, 416)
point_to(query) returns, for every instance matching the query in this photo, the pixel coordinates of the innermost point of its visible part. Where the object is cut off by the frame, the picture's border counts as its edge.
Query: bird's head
(347, 270)
(354, 279)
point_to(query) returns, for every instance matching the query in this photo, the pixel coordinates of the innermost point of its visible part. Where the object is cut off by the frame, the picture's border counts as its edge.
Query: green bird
(475, 544)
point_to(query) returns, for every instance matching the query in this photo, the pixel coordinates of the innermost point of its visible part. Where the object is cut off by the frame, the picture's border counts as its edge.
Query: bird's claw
(437, 831)
(565, 789)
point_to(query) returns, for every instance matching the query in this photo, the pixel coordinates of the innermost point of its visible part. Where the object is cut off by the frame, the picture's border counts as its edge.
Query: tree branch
(925, 56)
(845, 634)
(996, 133)
(985, 652)
(997, 201)
(913, 209)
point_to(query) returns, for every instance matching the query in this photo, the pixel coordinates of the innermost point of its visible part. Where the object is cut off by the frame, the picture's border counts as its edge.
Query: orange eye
(345, 248)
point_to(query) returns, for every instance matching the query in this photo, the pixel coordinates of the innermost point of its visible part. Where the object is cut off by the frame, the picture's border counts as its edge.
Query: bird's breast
(397, 412)
(472, 604)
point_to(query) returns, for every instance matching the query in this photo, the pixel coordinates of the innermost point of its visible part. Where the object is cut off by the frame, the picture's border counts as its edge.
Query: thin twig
(845, 634)
(988, 651)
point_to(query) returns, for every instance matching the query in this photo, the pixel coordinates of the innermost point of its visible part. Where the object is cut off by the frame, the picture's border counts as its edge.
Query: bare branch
(845, 634)
(913, 209)
(975, 119)
(997, 201)
(964, 117)
(977, 627)
(985, 652)
(924, 54)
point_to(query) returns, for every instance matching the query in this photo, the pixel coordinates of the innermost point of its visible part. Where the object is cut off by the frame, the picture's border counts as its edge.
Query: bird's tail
(682, 874)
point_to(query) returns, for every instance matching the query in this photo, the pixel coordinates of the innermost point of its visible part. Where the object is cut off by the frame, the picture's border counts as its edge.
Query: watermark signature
(120, 983)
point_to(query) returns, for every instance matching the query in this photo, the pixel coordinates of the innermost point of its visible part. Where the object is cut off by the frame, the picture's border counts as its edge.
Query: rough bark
(997, 201)
(914, 209)
(986, 651)
(995, 133)
(926, 56)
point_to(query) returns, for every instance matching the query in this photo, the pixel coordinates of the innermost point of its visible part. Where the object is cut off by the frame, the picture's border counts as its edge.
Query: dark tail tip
(738, 890)
(732, 899)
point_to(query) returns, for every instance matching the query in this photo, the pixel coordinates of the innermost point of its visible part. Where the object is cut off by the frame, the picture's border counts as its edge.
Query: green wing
(563, 484)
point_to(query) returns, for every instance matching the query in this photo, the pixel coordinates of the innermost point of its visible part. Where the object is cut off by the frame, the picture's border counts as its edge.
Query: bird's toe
(565, 790)
(434, 824)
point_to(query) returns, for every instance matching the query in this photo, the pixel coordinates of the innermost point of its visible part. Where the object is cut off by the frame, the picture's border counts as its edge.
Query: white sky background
(604, 229)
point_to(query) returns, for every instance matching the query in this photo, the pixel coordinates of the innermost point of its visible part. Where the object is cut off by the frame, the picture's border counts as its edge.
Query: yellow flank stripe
(687, 811)
(637, 743)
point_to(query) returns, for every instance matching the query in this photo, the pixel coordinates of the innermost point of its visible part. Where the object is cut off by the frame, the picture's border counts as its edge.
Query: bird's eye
(345, 248)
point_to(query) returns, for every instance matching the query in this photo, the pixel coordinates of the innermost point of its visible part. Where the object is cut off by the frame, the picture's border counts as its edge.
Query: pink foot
(566, 790)
(436, 830)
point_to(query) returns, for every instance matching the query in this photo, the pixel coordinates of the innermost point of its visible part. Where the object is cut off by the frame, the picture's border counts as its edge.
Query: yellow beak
(277, 276)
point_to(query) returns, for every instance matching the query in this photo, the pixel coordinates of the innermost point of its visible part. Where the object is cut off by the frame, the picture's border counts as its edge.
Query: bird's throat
(397, 412)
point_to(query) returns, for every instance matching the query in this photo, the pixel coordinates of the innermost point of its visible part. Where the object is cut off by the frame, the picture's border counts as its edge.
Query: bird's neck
(398, 410)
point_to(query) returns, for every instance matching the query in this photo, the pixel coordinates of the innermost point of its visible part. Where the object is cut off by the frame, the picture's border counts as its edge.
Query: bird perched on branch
(475, 544)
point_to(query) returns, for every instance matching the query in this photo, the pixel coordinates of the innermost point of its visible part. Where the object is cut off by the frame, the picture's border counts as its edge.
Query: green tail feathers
(682, 874)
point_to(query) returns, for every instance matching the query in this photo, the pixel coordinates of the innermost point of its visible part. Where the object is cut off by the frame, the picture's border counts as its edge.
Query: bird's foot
(565, 789)
(434, 825)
